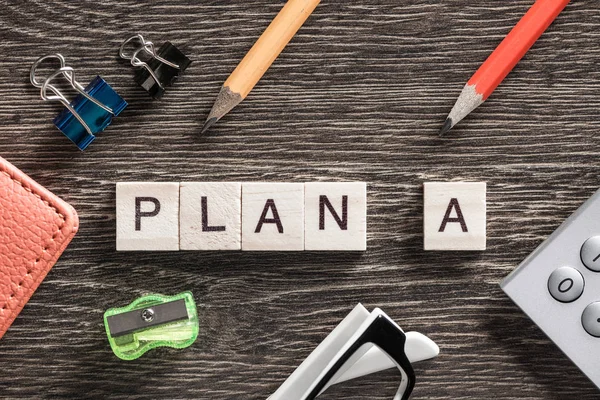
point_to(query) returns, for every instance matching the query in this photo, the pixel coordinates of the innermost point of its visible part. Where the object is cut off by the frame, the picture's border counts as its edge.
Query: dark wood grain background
(359, 94)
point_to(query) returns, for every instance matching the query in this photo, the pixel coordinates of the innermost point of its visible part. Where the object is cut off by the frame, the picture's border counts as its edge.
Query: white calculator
(558, 287)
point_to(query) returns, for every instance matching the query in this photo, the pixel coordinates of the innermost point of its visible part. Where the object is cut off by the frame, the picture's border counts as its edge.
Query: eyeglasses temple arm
(418, 348)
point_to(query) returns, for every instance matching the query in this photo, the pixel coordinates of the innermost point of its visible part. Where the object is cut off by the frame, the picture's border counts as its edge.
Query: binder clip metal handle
(93, 108)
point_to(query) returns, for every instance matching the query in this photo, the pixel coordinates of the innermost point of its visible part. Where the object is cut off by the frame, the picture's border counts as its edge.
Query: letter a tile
(335, 216)
(454, 215)
(147, 216)
(272, 216)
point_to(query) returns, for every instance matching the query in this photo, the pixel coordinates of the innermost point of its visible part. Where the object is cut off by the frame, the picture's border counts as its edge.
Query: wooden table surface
(359, 94)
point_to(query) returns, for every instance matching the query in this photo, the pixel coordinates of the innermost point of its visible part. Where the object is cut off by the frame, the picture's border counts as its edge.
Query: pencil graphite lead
(209, 122)
(446, 127)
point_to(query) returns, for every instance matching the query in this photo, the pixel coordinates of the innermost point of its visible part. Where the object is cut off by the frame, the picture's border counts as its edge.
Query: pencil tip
(209, 122)
(446, 127)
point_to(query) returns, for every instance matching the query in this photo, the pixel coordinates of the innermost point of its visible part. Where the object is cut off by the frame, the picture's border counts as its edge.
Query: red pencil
(504, 58)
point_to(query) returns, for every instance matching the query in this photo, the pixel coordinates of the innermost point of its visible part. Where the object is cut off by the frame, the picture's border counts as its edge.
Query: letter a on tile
(454, 216)
(453, 205)
(272, 216)
(335, 216)
(269, 205)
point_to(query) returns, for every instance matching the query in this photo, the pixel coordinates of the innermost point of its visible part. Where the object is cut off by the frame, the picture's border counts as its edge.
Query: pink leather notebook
(35, 228)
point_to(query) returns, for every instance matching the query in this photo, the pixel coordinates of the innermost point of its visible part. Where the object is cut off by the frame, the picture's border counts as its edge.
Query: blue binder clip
(89, 113)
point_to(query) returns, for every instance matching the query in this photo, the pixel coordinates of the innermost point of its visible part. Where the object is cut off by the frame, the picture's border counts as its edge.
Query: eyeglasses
(363, 343)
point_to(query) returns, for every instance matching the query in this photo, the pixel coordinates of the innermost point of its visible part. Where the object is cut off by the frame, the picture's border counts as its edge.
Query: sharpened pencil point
(447, 126)
(209, 122)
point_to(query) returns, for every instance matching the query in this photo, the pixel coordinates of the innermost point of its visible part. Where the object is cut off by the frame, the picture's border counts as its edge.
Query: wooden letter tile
(335, 216)
(272, 216)
(210, 216)
(147, 216)
(454, 216)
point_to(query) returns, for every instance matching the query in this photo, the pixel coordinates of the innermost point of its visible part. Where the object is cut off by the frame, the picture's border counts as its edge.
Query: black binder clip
(161, 68)
(89, 113)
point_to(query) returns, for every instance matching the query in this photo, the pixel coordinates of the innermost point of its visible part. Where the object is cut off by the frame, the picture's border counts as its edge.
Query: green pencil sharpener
(152, 321)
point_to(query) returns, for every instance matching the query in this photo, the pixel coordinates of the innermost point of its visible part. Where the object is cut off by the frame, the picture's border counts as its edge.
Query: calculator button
(566, 284)
(590, 253)
(591, 319)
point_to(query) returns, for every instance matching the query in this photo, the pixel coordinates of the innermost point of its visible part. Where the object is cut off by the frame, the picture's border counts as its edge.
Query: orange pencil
(260, 57)
(504, 58)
